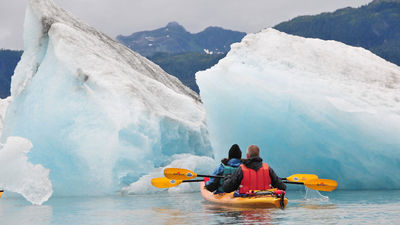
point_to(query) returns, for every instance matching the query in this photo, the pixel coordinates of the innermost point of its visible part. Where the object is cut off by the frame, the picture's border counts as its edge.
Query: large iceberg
(98, 115)
(313, 106)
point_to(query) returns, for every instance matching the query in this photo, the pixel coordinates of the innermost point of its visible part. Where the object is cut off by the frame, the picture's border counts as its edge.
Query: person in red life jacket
(227, 167)
(253, 174)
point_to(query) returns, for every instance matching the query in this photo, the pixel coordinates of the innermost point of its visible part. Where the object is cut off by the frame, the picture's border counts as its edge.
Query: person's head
(235, 152)
(252, 151)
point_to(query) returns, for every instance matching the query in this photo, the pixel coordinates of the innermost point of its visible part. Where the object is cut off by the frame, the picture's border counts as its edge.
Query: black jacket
(232, 183)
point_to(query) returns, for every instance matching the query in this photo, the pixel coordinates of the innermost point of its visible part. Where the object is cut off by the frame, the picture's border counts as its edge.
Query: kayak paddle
(300, 177)
(309, 180)
(317, 184)
(163, 182)
(184, 174)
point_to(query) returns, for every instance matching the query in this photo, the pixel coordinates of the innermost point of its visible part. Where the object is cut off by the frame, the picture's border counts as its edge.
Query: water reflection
(20, 212)
(171, 216)
(190, 208)
(317, 206)
(230, 215)
(303, 211)
(314, 203)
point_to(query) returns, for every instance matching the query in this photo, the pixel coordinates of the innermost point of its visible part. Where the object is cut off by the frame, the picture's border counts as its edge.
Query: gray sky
(115, 17)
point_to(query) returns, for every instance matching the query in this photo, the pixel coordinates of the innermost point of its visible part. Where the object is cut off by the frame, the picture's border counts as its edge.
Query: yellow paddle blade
(1, 193)
(321, 184)
(179, 174)
(162, 182)
(302, 177)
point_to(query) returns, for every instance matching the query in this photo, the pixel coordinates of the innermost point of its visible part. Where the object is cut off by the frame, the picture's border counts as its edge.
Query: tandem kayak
(257, 201)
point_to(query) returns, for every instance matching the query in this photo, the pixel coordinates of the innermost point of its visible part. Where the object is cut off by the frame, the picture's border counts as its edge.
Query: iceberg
(3, 107)
(98, 115)
(312, 106)
(20, 176)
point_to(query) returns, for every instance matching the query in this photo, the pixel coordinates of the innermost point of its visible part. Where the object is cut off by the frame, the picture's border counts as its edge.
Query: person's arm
(232, 183)
(276, 182)
(213, 183)
(213, 186)
(217, 171)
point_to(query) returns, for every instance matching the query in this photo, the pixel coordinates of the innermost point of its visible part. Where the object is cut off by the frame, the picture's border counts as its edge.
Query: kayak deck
(261, 201)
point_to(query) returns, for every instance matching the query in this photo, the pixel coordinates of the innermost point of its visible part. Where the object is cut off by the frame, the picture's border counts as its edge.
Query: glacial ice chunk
(312, 106)
(18, 175)
(3, 107)
(99, 116)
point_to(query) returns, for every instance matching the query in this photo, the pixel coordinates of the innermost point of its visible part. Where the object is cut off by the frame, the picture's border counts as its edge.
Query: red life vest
(255, 180)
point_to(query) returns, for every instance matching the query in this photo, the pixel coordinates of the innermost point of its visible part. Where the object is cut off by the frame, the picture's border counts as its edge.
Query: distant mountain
(174, 38)
(8, 62)
(185, 65)
(375, 27)
(181, 53)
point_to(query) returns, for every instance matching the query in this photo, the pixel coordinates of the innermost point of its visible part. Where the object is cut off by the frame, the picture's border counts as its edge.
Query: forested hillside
(375, 27)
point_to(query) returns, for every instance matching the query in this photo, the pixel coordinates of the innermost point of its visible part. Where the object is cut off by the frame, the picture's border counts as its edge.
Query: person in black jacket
(253, 161)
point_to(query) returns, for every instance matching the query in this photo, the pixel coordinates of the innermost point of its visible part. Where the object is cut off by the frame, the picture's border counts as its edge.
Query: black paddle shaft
(283, 179)
(292, 182)
(192, 181)
(199, 175)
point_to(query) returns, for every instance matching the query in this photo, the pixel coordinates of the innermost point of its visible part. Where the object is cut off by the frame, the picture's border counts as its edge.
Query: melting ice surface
(98, 115)
(21, 176)
(312, 106)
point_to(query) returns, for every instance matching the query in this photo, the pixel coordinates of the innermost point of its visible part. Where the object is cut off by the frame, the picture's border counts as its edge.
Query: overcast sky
(115, 17)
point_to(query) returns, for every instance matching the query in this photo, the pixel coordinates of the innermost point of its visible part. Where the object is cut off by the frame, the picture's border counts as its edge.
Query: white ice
(313, 106)
(18, 175)
(99, 116)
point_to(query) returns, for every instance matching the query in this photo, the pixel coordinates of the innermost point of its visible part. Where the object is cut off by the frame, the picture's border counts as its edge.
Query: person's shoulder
(221, 167)
(235, 162)
(225, 161)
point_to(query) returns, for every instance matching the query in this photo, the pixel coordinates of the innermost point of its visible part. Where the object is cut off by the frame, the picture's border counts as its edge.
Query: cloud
(115, 17)
(11, 23)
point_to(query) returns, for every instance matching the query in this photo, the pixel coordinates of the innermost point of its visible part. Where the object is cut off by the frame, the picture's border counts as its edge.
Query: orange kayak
(258, 201)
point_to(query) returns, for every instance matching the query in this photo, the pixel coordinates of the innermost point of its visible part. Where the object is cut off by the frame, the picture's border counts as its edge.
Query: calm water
(343, 207)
